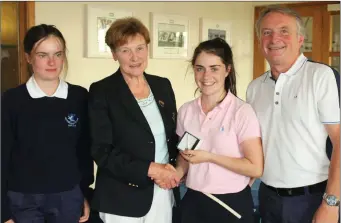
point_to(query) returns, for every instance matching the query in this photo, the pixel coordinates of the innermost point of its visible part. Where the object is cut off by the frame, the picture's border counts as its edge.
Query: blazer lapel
(129, 102)
(159, 95)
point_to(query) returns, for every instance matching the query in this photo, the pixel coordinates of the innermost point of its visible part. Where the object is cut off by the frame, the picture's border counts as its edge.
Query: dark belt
(297, 191)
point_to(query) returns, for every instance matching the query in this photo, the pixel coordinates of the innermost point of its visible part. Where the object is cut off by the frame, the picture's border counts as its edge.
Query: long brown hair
(220, 48)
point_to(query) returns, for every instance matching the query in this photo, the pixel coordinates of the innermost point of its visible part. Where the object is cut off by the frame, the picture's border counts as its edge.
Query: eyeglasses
(125, 51)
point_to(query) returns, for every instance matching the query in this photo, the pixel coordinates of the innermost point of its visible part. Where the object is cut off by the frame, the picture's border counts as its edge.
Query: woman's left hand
(196, 156)
(86, 212)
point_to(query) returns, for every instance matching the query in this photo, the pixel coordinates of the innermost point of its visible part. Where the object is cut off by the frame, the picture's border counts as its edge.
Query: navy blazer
(123, 145)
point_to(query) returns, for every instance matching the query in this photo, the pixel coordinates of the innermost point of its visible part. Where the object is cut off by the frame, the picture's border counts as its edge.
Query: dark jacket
(123, 145)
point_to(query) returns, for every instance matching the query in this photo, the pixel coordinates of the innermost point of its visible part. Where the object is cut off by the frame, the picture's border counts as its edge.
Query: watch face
(331, 200)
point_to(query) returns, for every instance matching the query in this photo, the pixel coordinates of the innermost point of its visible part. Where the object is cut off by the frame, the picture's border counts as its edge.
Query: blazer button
(151, 142)
(129, 184)
(167, 140)
(137, 185)
(171, 159)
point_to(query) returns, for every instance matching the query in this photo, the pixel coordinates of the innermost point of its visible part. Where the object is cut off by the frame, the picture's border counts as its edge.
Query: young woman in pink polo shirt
(230, 151)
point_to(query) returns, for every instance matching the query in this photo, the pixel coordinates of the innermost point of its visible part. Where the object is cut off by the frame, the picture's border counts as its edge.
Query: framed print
(98, 21)
(210, 29)
(169, 36)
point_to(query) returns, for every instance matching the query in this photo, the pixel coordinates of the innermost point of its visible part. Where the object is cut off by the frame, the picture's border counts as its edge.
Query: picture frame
(169, 36)
(98, 20)
(212, 28)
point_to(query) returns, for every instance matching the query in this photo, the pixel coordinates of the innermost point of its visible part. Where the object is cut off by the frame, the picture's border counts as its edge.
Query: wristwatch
(331, 200)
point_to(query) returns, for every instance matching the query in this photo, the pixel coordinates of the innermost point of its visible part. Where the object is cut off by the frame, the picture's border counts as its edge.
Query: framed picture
(169, 36)
(210, 29)
(98, 21)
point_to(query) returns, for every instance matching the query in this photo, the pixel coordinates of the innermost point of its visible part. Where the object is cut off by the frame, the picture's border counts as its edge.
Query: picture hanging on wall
(169, 36)
(211, 28)
(98, 21)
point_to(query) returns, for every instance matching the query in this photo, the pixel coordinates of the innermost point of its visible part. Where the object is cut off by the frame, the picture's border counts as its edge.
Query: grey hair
(282, 10)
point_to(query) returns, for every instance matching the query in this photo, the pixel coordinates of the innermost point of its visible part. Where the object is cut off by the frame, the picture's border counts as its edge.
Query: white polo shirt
(292, 112)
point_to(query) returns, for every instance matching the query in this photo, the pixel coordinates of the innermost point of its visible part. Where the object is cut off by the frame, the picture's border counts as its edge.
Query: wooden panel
(334, 54)
(314, 11)
(335, 12)
(308, 54)
(26, 20)
(258, 58)
(326, 39)
(9, 26)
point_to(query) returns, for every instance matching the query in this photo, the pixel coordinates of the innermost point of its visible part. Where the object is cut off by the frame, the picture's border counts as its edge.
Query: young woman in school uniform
(230, 151)
(46, 162)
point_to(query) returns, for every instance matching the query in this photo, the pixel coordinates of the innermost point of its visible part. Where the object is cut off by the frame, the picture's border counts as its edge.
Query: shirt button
(151, 142)
(276, 102)
(277, 93)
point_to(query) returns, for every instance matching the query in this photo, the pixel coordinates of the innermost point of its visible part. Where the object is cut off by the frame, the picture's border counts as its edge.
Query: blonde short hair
(282, 10)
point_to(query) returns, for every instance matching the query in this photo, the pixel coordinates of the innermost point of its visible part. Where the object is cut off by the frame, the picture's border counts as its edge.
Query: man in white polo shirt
(297, 104)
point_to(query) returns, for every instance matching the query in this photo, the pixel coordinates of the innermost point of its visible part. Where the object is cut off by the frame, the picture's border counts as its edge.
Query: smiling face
(132, 56)
(210, 74)
(279, 39)
(47, 58)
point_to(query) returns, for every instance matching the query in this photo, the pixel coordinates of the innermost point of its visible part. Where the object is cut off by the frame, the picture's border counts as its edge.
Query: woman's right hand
(9, 221)
(164, 175)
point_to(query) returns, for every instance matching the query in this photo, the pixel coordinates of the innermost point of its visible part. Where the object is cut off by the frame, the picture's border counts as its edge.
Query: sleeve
(7, 142)
(180, 129)
(122, 166)
(85, 162)
(249, 92)
(328, 98)
(329, 145)
(247, 125)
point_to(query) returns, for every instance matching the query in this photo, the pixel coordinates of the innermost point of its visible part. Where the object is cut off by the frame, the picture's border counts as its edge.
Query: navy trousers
(63, 207)
(293, 209)
(198, 208)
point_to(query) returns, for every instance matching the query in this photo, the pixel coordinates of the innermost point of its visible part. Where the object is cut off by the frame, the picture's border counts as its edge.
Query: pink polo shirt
(221, 131)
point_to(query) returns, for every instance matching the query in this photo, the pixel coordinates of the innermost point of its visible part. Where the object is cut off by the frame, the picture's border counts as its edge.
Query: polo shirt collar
(222, 104)
(293, 69)
(35, 91)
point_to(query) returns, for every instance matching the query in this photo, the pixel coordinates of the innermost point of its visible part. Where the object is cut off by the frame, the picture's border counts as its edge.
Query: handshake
(165, 175)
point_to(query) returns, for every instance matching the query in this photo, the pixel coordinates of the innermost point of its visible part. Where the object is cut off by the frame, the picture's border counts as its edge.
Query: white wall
(69, 18)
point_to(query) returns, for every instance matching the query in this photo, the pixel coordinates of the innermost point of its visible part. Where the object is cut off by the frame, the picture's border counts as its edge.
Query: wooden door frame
(26, 21)
(329, 52)
(258, 58)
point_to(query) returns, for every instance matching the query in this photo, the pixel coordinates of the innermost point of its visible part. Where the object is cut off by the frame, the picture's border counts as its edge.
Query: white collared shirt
(292, 112)
(35, 91)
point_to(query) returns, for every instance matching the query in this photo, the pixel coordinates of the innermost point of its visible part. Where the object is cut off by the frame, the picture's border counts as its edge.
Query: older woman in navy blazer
(132, 122)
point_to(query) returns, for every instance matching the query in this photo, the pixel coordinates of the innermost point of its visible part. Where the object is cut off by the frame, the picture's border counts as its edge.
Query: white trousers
(160, 211)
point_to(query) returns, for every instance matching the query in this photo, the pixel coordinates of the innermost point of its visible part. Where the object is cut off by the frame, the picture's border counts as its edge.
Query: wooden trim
(334, 54)
(302, 4)
(258, 58)
(318, 32)
(26, 20)
(334, 12)
(308, 54)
